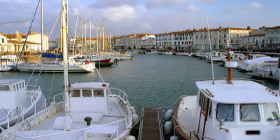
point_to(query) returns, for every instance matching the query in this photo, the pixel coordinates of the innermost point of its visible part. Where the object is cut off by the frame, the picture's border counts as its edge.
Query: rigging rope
(29, 30)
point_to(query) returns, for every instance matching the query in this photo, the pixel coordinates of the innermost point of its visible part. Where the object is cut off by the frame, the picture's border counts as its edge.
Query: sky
(140, 16)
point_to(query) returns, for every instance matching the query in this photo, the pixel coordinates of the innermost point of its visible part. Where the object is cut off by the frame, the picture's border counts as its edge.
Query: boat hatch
(253, 132)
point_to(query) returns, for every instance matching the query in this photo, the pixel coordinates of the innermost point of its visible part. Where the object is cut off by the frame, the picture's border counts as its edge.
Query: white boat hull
(55, 68)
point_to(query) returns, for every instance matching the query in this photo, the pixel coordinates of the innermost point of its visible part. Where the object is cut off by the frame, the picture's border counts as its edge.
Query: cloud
(248, 9)
(193, 8)
(164, 3)
(254, 6)
(119, 14)
(113, 3)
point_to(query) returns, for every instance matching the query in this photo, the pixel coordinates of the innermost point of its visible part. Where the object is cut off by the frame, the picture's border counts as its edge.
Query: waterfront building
(220, 37)
(3, 43)
(136, 41)
(254, 41)
(272, 37)
(179, 41)
(32, 45)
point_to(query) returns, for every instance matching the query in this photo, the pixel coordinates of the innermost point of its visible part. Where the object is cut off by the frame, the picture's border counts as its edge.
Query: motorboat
(231, 109)
(8, 62)
(248, 65)
(269, 69)
(18, 101)
(87, 110)
(57, 66)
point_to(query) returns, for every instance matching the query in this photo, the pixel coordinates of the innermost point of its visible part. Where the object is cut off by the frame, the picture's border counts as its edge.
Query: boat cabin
(89, 99)
(12, 93)
(239, 110)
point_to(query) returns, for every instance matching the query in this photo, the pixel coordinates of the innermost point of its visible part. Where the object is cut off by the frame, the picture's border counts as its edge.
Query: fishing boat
(89, 110)
(57, 66)
(228, 109)
(8, 62)
(18, 101)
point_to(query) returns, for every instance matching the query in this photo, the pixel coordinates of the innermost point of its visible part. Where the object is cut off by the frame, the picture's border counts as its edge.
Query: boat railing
(118, 92)
(60, 135)
(57, 96)
(14, 112)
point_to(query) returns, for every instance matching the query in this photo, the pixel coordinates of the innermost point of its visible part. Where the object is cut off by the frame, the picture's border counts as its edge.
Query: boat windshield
(249, 112)
(225, 112)
(4, 88)
(269, 110)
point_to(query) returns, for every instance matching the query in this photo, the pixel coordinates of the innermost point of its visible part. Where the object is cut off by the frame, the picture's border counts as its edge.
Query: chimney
(18, 36)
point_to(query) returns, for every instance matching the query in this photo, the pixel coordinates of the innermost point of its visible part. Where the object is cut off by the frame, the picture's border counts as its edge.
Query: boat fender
(174, 138)
(168, 114)
(130, 137)
(88, 119)
(133, 110)
(168, 127)
(135, 118)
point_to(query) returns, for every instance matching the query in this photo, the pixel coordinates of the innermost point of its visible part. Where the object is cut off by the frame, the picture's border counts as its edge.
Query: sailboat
(90, 110)
(228, 109)
(55, 66)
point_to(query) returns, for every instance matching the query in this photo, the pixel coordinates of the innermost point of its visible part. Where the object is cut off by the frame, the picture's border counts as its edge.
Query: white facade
(174, 40)
(255, 40)
(272, 37)
(3, 43)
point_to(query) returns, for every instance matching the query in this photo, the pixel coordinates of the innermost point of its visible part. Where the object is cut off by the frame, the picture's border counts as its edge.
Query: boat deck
(48, 127)
(151, 125)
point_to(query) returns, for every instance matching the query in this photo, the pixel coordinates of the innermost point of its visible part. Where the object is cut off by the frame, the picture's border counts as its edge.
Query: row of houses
(191, 39)
(13, 43)
(198, 39)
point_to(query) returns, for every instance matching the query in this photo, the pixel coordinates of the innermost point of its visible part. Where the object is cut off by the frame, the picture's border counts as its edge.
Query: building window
(2, 40)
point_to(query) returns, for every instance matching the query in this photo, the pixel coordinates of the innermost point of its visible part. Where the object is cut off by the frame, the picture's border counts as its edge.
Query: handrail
(141, 125)
(55, 96)
(11, 112)
(121, 93)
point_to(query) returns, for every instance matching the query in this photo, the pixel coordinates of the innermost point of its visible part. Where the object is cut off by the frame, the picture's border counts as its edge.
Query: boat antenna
(212, 68)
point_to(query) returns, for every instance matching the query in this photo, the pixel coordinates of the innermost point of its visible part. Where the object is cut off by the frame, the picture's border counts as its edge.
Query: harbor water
(149, 80)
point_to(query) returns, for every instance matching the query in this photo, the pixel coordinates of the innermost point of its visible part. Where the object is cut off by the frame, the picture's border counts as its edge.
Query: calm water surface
(149, 80)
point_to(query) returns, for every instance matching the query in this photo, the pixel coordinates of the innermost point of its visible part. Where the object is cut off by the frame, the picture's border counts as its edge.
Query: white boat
(152, 52)
(269, 69)
(236, 57)
(89, 110)
(248, 65)
(217, 57)
(7, 62)
(73, 66)
(228, 110)
(18, 101)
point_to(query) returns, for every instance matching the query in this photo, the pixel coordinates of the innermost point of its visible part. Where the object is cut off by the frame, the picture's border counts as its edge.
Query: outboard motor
(88, 119)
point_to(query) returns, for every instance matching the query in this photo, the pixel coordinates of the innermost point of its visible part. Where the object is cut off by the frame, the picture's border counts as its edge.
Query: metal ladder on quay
(150, 125)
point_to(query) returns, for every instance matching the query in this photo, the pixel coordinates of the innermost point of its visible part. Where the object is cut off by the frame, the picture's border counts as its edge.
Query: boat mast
(104, 42)
(82, 35)
(75, 36)
(89, 40)
(229, 68)
(41, 29)
(97, 36)
(65, 66)
(85, 36)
